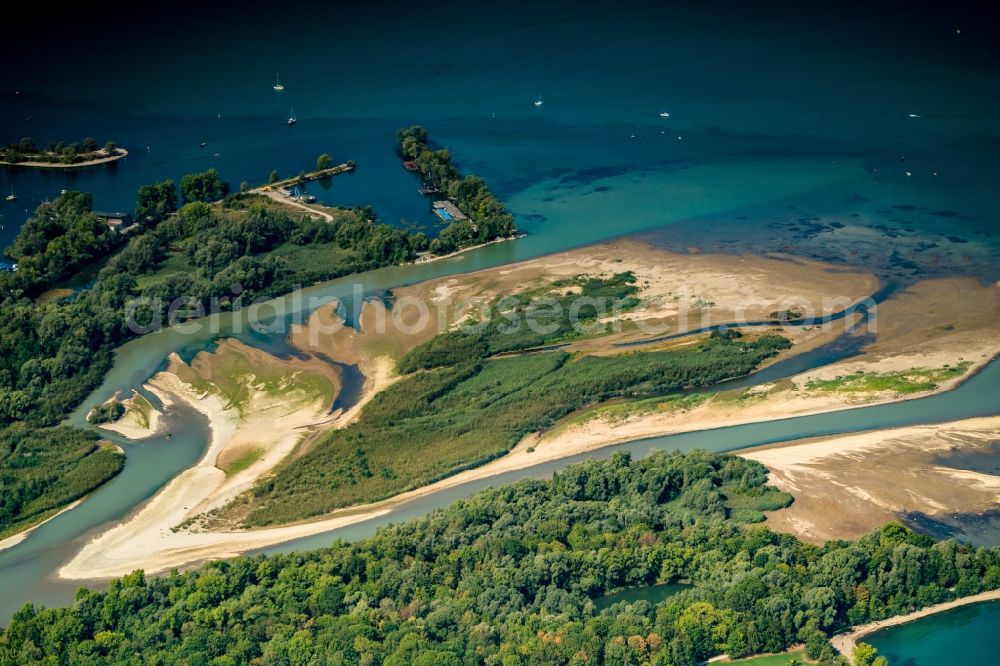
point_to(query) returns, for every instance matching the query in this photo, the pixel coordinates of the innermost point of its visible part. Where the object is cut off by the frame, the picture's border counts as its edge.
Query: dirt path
(281, 198)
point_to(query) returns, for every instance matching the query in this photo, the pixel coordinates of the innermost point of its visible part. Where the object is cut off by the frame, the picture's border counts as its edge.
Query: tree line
(508, 577)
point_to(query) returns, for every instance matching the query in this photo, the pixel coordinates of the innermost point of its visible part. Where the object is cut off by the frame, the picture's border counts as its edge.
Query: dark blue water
(772, 105)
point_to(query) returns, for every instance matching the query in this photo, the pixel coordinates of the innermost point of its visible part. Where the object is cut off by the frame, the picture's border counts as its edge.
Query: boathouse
(115, 220)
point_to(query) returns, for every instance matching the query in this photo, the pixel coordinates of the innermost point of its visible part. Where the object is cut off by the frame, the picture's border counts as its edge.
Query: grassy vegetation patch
(175, 262)
(621, 411)
(459, 408)
(41, 470)
(781, 659)
(915, 380)
(243, 461)
(141, 410)
(568, 309)
(237, 379)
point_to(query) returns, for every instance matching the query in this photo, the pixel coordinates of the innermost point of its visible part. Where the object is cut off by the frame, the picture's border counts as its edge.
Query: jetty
(285, 190)
(288, 183)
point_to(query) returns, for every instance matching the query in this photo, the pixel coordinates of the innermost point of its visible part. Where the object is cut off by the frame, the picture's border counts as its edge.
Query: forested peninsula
(193, 243)
(486, 217)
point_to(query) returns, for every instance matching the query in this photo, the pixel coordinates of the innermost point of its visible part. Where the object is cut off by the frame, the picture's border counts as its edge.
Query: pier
(305, 178)
(281, 190)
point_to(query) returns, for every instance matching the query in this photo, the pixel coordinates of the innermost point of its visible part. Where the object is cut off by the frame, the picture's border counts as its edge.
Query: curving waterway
(27, 570)
(762, 151)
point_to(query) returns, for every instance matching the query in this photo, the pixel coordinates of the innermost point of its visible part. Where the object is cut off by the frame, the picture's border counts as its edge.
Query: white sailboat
(291, 118)
(11, 196)
(277, 83)
(538, 102)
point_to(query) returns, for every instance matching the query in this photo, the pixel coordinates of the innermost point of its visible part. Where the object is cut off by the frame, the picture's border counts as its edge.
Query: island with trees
(26, 153)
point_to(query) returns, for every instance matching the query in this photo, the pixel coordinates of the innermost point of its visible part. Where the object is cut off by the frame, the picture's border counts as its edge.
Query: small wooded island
(59, 155)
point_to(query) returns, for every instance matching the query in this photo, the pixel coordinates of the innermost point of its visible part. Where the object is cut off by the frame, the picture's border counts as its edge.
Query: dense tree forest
(508, 578)
(488, 219)
(204, 186)
(202, 250)
(57, 241)
(459, 406)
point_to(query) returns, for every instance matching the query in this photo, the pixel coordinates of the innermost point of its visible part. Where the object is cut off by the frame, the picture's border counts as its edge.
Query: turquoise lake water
(963, 636)
(789, 129)
(776, 114)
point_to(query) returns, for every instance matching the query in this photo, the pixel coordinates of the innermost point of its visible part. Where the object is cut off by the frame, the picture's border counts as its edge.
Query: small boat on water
(291, 118)
(538, 102)
(11, 196)
(203, 144)
(914, 115)
(665, 114)
(277, 83)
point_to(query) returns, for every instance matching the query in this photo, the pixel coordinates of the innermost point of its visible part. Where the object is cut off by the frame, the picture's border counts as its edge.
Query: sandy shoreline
(15, 539)
(844, 643)
(185, 549)
(266, 428)
(725, 282)
(131, 424)
(877, 476)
